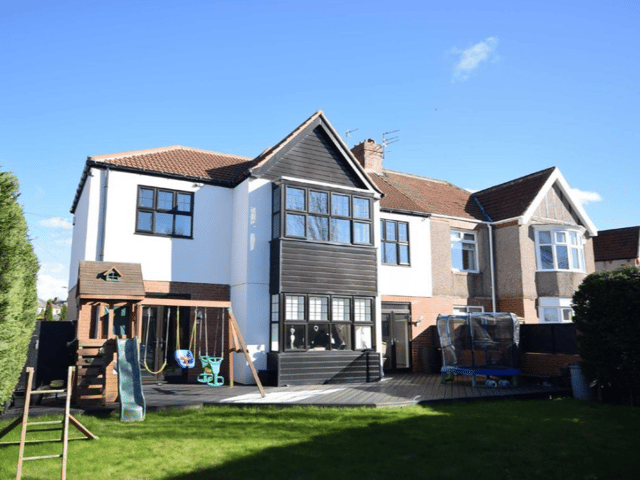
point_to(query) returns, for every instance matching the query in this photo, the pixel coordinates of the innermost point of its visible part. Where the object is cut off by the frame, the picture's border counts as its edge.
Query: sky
(476, 93)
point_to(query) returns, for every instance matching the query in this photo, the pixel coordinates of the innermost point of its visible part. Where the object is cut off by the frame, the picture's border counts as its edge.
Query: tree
(48, 312)
(18, 275)
(607, 317)
(63, 313)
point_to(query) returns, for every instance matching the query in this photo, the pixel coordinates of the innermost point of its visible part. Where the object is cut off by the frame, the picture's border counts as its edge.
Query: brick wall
(198, 291)
(524, 308)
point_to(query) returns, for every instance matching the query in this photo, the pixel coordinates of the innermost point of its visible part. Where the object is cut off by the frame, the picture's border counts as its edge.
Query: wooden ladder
(48, 425)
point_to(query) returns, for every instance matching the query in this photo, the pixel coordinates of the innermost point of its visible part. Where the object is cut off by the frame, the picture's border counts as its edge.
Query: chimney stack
(369, 154)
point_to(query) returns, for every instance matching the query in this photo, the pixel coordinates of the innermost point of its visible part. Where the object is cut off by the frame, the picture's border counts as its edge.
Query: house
(332, 263)
(618, 247)
(56, 305)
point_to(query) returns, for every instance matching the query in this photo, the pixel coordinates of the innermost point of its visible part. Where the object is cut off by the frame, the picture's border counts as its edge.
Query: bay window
(321, 216)
(554, 310)
(560, 249)
(322, 322)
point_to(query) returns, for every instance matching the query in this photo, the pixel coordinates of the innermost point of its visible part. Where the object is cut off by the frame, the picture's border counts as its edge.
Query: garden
(559, 438)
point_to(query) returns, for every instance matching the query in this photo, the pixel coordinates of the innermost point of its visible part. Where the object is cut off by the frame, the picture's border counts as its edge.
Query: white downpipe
(103, 214)
(493, 278)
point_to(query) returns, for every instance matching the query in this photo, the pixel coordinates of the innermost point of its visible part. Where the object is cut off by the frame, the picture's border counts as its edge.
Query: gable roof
(271, 155)
(412, 193)
(92, 282)
(617, 244)
(512, 199)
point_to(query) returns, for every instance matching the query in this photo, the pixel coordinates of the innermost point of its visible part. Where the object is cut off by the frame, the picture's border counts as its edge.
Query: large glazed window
(394, 238)
(560, 249)
(322, 216)
(164, 212)
(323, 322)
(464, 251)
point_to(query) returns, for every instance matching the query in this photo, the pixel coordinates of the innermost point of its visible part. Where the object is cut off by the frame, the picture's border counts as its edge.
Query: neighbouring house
(618, 247)
(333, 264)
(56, 304)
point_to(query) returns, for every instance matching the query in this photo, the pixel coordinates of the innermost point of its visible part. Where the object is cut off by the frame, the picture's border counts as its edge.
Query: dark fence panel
(548, 338)
(56, 351)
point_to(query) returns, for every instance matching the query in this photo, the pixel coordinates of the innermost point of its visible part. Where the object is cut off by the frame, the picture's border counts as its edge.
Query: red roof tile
(511, 199)
(616, 244)
(419, 194)
(182, 161)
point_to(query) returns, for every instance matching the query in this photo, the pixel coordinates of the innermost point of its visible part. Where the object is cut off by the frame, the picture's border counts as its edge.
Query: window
(464, 309)
(464, 251)
(112, 276)
(317, 322)
(560, 250)
(395, 242)
(164, 212)
(323, 216)
(556, 315)
(275, 322)
(554, 310)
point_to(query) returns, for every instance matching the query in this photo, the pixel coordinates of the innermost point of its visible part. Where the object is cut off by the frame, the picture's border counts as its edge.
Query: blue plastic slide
(132, 405)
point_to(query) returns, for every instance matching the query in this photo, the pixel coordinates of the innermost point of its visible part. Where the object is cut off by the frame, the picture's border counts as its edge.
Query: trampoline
(480, 344)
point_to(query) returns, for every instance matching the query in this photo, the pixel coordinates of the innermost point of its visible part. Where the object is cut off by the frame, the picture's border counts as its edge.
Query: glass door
(396, 336)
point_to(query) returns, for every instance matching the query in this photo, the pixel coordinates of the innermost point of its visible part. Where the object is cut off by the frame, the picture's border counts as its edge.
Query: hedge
(607, 316)
(18, 296)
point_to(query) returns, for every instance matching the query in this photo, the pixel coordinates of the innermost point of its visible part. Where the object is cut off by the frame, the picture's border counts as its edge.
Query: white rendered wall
(203, 259)
(251, 233)
(414, 280)
(85, 225)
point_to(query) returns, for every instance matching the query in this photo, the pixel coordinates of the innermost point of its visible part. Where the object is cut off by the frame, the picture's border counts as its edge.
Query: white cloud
(50, 286)
(52, 281)
(65, 241)
(57, 222)
(473, 57)
(583, 197)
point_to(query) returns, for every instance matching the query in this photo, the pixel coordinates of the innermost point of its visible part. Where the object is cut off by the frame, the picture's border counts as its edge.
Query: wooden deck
(393, 390)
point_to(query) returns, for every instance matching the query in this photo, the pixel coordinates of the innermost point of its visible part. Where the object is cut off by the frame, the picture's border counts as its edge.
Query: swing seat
(216, 380)
(185, 359)
(207, 373)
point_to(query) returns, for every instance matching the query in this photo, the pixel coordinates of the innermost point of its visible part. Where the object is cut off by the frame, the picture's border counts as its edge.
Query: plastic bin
(580, 384)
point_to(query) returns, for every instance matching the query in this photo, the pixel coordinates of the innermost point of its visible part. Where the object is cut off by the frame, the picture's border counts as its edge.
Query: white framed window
(464, 309)
(464, 251)
(318, 309)
(555, 310)
(560, 249)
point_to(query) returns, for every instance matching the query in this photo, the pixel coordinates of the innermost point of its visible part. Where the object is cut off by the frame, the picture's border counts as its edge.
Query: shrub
(48, 311)
(18, 297)
(607, 316)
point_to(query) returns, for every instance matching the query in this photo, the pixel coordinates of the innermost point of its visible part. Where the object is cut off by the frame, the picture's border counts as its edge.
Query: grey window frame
(278, 314)
(396, 242)
(280, 213)
(155, 210)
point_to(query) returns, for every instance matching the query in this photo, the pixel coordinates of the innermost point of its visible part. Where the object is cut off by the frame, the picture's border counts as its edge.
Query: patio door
(396, 336)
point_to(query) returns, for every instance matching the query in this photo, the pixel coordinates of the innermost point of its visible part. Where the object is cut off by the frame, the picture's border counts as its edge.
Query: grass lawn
(563, 438)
